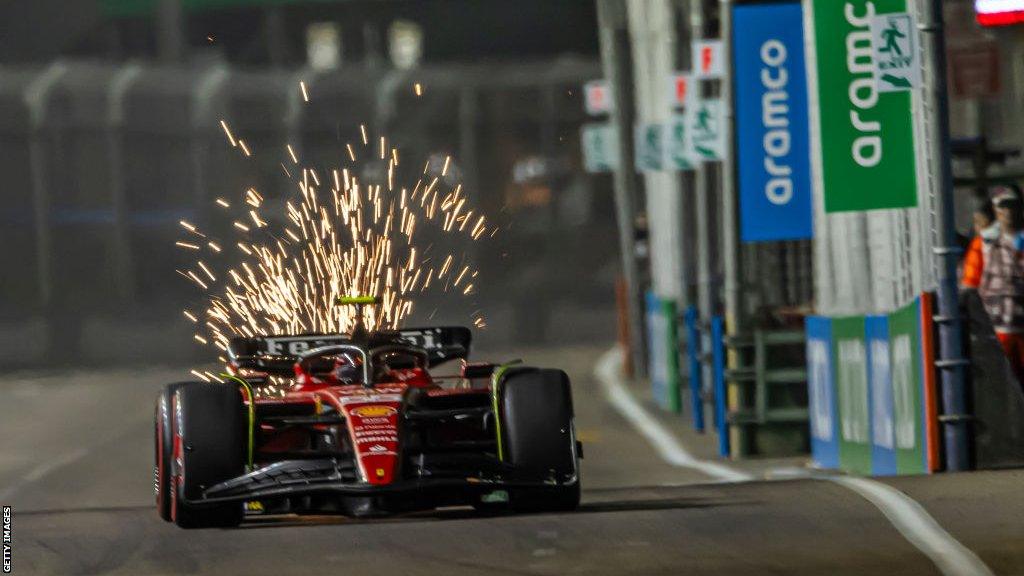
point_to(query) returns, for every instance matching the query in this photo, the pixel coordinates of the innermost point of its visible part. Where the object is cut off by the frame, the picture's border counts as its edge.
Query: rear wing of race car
(278, 354)
(442, 343)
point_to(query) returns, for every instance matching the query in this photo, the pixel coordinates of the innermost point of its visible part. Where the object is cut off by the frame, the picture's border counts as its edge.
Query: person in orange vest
(996, 270)
(970, 268)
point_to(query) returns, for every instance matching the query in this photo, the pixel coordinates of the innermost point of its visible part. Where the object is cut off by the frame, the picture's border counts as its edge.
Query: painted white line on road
(609, 373)
(46, 468)
(43, 470)
(908, 517)
(915, 524)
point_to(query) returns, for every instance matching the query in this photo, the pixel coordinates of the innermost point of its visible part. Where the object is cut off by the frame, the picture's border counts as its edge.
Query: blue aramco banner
(772, 133)
(821, 393)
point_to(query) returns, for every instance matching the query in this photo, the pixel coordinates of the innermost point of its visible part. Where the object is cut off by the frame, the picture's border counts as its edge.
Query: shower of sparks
(419, 89)
(227, 131)
(336, 237)
(305, 94)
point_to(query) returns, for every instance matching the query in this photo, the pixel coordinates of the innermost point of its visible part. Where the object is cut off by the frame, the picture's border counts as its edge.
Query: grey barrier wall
(102, 161)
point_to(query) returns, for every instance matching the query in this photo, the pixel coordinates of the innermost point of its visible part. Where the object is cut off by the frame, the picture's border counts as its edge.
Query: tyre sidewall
(163, 449)
(208, 448)
(538, 437)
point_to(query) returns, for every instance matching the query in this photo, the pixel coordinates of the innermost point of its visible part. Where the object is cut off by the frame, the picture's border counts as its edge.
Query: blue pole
(718, 370)
(693, 358)
(955, 425)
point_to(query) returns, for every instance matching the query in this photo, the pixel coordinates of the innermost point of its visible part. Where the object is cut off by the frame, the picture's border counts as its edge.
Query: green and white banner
(706, 135)
(897, 52)
(678, 146)
(908, 394)
(600, 147)
(853, 401)
(649, 142)
(663, 352)
(865, 135)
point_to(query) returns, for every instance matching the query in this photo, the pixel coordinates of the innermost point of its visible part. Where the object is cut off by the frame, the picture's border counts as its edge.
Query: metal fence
(102, 161)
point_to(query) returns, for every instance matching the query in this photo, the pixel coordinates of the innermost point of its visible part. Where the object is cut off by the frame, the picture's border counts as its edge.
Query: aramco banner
(866, 134)
(772, 128)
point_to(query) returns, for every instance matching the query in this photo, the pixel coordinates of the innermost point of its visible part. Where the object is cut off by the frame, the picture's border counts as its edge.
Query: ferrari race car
(359, 424)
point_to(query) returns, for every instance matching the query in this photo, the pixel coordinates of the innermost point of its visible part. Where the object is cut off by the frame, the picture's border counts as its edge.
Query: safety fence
(102, 161)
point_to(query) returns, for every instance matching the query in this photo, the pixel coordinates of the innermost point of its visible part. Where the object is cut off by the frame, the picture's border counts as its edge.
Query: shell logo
(373, 411)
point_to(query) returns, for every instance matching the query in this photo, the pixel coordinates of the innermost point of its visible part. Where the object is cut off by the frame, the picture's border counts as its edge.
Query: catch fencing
(102, 161)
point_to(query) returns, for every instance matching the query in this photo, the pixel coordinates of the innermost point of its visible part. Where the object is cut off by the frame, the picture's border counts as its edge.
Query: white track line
(915, 524)
(42, 470)
(908, 517)
(68, 458)
(609, 373)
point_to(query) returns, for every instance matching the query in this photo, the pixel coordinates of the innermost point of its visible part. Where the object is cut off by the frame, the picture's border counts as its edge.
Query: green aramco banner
(866, 137)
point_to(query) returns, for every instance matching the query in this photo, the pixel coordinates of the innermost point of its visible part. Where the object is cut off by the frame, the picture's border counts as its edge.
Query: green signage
(706, 137)
(908, 401)
(897, 52)
(866, 137)
(649, 147)
(851, 381)
(600, 147)
(673, 400)
(678, 148)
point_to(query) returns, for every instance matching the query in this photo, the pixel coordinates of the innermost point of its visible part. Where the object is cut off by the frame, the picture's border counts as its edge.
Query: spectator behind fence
(995, 267)
(983, 217)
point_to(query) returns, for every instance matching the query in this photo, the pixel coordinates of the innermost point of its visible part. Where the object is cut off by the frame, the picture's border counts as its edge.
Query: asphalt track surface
(75, 465)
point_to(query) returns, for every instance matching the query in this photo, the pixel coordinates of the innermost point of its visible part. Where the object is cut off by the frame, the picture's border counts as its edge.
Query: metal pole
(701, 201)
(469, 113)
(618, 70)
(124, 265)
(702, 214)
(732, 256)
(62, 332)
(952, 364)
(170, 23)
(276, 36)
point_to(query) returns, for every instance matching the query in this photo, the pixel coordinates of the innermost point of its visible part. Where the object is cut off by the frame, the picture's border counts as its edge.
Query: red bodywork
(371, 414)
(355, 424)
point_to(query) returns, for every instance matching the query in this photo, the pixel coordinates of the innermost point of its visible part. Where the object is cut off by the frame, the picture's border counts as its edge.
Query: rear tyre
(209, 442)
(539, 439)
(164, 447)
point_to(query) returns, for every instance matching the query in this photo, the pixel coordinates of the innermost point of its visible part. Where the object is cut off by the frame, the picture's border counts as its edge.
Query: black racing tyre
(538, 437)
(163, 449)
(209, 444)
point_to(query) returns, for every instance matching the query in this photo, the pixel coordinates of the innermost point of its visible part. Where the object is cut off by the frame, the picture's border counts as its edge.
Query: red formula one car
(359, 425)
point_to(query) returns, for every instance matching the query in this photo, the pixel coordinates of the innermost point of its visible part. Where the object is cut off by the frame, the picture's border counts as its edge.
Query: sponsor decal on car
(295, 345)
(373, 411)
(361, 431)
(367, 423)
(392, 438)
(360, 397)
